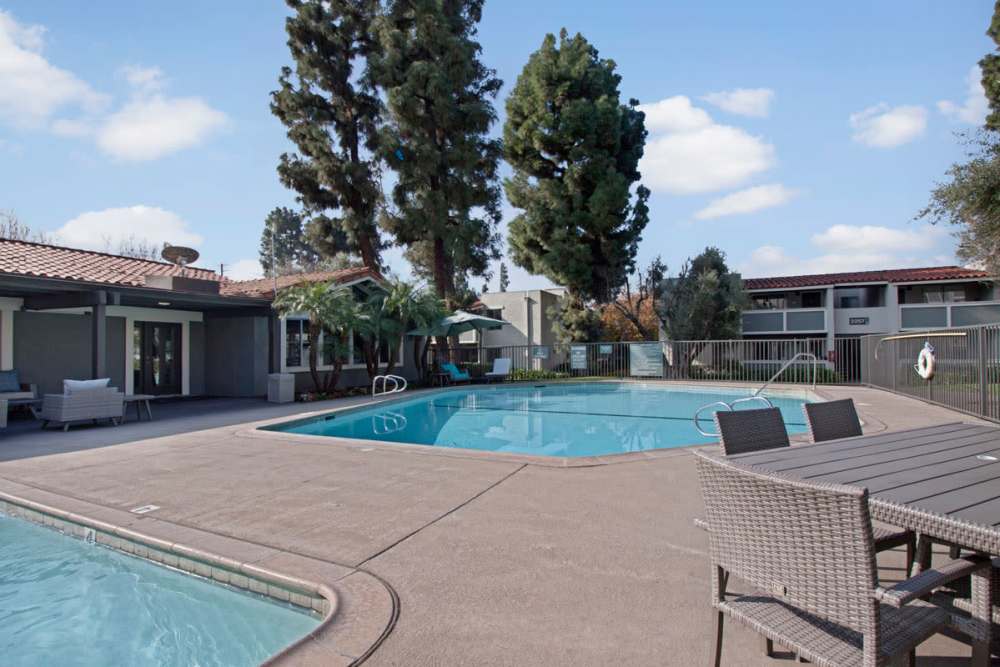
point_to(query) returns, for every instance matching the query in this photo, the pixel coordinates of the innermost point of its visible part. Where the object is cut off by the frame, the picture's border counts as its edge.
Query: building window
(495, 313)
(812, 299)
(767, 301)
(295, 340)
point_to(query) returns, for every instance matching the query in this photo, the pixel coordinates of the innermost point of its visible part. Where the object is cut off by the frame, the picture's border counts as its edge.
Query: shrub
(531, 375)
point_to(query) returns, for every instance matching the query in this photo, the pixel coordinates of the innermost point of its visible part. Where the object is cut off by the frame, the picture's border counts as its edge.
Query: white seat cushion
(73, 386)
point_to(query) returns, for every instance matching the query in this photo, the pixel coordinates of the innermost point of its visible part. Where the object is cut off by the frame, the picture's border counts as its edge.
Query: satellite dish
(179, 255)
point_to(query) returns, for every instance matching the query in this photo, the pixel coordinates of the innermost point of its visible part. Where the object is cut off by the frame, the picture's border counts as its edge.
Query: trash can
(280, 388)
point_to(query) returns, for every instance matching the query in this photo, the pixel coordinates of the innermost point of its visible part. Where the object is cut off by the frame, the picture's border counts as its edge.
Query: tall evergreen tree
(504, 277)
(440, 109)
(575, 150)
(332, 112)
(282, 240)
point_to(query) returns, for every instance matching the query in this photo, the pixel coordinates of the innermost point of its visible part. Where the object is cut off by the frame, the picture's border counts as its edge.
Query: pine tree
(332, 113)
(575, 150)
(504, 278)
(291, 252)
(440, 110)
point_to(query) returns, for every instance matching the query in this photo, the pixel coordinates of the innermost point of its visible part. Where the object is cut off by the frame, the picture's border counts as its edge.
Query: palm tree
(388, 315)
(332, 313)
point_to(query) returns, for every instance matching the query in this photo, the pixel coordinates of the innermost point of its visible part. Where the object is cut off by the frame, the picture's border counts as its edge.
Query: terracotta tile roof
(884, 276)
(264, 287)
(40, 260)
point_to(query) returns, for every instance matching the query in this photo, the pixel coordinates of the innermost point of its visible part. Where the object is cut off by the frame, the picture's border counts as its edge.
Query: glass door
(156, 358)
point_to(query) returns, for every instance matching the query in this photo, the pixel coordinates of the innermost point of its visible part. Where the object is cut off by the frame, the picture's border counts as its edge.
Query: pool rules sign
(645, 359)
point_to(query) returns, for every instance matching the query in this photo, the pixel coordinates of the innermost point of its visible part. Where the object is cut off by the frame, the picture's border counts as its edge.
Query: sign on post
(540, 352)
(645, 359)
(578, 357)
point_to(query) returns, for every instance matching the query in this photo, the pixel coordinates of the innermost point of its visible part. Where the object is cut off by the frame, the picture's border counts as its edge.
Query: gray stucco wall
(196, 354)
(235, 356)
(51, 347)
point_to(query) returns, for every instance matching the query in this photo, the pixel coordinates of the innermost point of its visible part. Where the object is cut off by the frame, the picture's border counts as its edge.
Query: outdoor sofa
(83, 400)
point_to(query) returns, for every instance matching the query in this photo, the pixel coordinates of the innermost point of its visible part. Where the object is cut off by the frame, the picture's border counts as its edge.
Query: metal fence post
(982, 371)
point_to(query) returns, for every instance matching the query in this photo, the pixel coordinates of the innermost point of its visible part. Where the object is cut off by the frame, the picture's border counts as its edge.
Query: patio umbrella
(457, 323)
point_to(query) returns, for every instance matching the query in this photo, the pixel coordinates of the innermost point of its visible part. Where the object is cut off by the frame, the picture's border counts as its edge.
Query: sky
(797, 137)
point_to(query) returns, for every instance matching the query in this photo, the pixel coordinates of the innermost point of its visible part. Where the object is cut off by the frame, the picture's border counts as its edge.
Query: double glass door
(156, 358)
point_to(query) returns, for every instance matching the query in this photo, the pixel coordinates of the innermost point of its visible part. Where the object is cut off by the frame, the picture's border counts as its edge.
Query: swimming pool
(66, 602)
(570, 420)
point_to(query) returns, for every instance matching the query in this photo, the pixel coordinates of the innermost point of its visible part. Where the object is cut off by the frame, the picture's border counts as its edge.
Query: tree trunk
(367, 251)
(440, 272)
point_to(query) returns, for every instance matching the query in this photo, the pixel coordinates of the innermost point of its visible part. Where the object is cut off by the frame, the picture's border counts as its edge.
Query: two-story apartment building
(837, 305)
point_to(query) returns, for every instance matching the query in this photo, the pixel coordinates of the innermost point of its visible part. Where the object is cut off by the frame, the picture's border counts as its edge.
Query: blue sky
(796, 137)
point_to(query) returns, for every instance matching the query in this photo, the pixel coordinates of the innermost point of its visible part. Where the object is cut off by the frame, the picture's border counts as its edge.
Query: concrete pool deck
(435, 559)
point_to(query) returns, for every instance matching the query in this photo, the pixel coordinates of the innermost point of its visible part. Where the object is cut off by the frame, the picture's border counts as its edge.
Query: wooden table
(139, 400)
(942, 481)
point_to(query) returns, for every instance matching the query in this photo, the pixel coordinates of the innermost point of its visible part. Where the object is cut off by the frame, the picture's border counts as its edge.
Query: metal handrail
(704, 407)
(391, 423)
(728, 406)
(386, 379)
(784, 367)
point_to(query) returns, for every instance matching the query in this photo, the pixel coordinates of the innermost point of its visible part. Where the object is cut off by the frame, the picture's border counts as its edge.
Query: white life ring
(925, 362)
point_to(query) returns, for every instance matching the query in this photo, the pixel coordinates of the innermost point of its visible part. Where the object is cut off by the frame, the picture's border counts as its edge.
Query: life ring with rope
(925, 362)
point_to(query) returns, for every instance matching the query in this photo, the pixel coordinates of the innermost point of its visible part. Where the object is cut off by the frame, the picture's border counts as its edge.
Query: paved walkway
(493, 562)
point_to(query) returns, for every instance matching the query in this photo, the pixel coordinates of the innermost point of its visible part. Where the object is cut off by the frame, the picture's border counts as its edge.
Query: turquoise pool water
(67, 603)
(550, 420)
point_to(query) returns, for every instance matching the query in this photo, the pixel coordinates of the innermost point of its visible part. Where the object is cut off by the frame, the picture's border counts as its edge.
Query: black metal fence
(966, 374)
(736, 360)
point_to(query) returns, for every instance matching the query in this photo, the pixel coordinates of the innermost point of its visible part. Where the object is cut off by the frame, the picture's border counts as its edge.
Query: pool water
(67, 603)
(568, 420)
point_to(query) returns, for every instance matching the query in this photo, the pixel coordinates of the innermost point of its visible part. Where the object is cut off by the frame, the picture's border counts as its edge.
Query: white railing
(398, 385)
(387, 423)
(785, 366)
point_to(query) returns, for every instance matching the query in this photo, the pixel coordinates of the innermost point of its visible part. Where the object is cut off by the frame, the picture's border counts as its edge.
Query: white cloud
(244, 269)
(143, 78)
(688, 152)
(754, 102)
(975, 107)
(853, 248)
(746, 201)
(148, 128)
(105, 230)
(32, 89)
(882, 126)
(65, 127)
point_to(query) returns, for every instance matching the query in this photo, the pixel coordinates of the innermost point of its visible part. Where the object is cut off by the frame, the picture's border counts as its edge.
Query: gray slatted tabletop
(951, 471)
(942, 481)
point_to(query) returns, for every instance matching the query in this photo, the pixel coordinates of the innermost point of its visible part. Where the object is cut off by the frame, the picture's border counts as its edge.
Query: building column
(99, 341)
(274, 344)
(831, 321)
(892, 308)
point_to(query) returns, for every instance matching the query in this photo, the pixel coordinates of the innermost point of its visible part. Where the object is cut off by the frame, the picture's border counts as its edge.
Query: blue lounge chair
(455, 375)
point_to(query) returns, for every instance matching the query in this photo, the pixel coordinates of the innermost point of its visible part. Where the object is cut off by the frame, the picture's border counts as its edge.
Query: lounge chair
(500, 372)
(83, 400)
(807, 553)
(14, 392)
(455, 375)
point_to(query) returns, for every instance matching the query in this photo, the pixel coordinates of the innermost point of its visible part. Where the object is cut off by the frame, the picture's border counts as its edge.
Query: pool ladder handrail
(728, 406)
(787, 364)
(398, 384)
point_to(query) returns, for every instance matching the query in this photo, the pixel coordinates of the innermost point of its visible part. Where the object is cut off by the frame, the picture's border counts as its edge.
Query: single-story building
(155, 327)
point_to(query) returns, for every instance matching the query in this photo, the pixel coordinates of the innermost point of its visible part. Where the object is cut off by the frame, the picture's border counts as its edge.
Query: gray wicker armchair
(832, 420)
(808, 552)
(744, 431)
(964, 605)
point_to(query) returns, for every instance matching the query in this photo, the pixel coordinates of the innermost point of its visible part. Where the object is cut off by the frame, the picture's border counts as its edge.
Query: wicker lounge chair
(832, 420)
(808, 553)
(83, 405)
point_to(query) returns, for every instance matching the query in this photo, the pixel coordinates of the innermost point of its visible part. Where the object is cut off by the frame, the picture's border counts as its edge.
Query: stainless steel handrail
(784, 367)
(386, 379)
(728, 406)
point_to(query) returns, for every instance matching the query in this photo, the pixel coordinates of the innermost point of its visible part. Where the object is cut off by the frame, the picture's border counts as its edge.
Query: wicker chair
(744, 431)
(808, 553)
(832, 420)
(964, 604)
(83, 405)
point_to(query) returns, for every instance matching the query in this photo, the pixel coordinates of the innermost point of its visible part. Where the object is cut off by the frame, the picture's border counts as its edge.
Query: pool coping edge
(324, 644)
